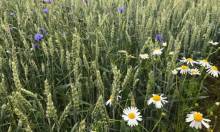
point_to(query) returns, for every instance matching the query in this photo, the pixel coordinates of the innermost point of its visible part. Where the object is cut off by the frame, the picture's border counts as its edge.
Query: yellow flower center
(189, 59)
(131, 115)
(214, 68)
(183, 67)
(198, 116)
(205, 61)
(156, 98)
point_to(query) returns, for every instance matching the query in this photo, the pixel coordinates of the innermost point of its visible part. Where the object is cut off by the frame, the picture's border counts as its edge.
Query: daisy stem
(211, 53)
(181, 90)
(144, 128)
(201, 84)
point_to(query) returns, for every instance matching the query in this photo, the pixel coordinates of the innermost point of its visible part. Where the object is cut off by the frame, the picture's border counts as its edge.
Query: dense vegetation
(62, 60)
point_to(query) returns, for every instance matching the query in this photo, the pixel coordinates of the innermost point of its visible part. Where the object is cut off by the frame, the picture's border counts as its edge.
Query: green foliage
(90, 53)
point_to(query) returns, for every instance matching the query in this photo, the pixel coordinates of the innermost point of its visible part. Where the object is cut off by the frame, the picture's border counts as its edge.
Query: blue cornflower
(121, 9)
(159, 38)
(38, 37)
(48, 1)
(46, 10)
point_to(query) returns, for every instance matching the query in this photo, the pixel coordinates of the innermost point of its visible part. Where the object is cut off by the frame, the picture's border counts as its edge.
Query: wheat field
(109, 65)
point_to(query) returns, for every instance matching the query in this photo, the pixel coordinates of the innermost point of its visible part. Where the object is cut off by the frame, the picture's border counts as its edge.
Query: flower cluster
(156, 51)
(189, 62)
(159, 38)
(132, 115)
(188, 66)
(38, 37)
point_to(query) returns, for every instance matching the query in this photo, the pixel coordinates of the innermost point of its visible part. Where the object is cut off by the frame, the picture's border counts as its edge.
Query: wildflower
(48, 1)
(217, 103)
(157, 51)
(194, 71)
(46, 10)
(204, 63)
(109, 102)
(157, 100)
(183, 69)
(144, 56)
(132, 116)
(159, 38)
(174, 72)
(196, 119)
(213, 43)
(38, 37)
(188, 61)
(121, 9)
(164, 44)
(213, 70)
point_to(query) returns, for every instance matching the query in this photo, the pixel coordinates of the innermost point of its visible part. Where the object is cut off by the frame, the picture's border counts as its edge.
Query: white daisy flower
(204, 63)
(183, 69)
(174, 72)
(144, 56)
(213, 70)
(157, 100)
(132, 116)
(188, 61)
(194, 71)
(157, 51)
(164, 44)
(197, 120)
(213, 43)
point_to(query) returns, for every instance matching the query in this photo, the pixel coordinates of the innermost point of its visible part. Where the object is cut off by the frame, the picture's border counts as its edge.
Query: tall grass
(91, 52)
